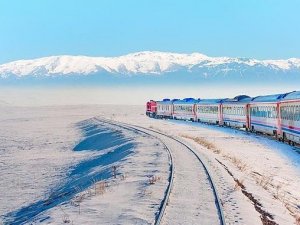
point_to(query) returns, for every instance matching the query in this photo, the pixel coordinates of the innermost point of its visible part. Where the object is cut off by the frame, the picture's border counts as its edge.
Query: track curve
(165, 216)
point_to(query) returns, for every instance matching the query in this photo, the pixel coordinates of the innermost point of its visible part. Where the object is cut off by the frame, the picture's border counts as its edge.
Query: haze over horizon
(242, 47)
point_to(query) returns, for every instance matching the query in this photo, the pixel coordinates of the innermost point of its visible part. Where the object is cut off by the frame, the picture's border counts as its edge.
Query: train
(276, 115)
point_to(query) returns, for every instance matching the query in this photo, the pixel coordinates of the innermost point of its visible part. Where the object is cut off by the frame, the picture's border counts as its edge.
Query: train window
(294, 113)
(265, 112)
(285, 113)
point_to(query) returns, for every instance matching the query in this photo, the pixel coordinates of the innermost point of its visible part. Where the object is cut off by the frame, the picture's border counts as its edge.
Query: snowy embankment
(42, 149)
(104, 177)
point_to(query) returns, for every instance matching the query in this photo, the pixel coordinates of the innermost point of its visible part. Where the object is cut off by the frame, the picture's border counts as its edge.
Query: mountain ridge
(146, 62)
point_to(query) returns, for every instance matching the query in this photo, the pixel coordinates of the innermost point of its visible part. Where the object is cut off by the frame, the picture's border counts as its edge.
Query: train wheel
(284, 137)
(276, 135)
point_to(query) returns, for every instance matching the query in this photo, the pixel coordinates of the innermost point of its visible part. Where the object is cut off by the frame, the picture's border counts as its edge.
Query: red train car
(151, 108)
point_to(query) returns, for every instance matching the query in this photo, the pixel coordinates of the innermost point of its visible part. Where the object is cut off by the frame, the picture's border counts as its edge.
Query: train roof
(238, 99)
(165, 101)
(292, 95)
(185, 101)
(269, 98)
(210, 101)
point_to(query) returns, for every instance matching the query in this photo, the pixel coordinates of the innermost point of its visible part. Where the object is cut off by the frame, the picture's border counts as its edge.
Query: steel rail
(163, 207)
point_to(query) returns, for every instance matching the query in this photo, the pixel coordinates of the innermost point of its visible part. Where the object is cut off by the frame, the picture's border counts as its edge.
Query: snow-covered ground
(43, 151)
(56, 164)
(257, 177)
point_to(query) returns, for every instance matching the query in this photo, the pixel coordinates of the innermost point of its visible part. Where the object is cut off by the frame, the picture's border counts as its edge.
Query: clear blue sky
(241, 28)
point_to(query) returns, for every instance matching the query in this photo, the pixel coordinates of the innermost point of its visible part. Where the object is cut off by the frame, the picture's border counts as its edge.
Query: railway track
(191, 196)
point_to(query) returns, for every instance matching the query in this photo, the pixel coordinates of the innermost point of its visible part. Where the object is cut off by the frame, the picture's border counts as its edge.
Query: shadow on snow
(82, 175)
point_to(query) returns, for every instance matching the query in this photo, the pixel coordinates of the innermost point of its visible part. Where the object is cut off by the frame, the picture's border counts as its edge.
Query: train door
(195, 112)
(279, 122)
(220, 106)
(247, 108)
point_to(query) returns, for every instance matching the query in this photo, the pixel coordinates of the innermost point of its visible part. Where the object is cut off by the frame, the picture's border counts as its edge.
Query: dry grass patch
(242, 166)
(265, 181)
(153, 179)
(202, 141)
(298, 219)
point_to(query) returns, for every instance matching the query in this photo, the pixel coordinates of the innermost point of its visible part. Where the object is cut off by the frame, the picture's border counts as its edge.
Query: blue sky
(254, 28)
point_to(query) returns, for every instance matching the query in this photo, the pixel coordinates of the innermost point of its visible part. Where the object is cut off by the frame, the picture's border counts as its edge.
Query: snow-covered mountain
(147, 62)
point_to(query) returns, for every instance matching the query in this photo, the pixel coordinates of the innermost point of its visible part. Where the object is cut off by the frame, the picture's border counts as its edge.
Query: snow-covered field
(57, 166)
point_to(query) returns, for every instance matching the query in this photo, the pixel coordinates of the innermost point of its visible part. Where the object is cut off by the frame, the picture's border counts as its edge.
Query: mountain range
(150, 63)
(150, 67)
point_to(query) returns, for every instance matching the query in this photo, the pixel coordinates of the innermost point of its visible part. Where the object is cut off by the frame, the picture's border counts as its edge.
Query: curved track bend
(191, 196)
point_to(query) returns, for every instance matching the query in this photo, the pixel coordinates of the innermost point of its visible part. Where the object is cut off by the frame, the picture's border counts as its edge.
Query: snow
(147, 62)
(192, 196)
(48, 159)
(275, 162)
(37, 156)
(269, 169)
